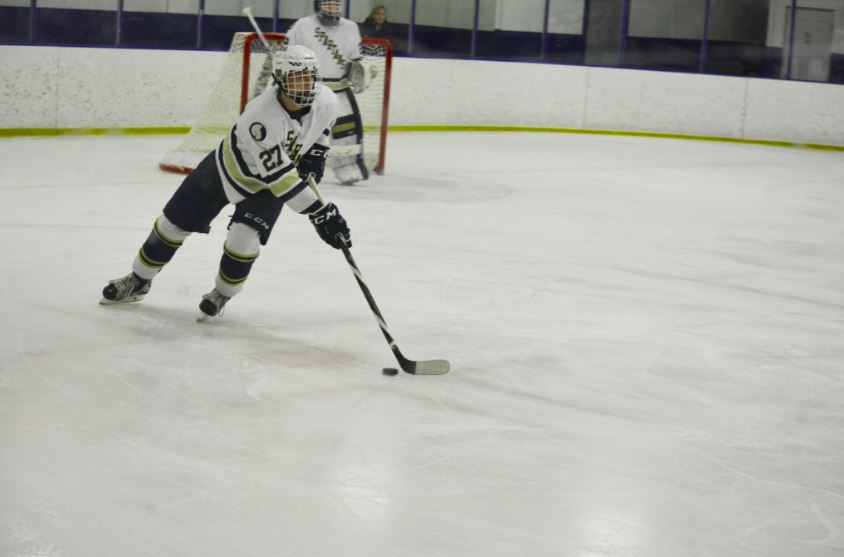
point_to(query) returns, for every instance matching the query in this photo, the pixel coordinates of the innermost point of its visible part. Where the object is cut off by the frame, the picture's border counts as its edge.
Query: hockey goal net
(244, 75)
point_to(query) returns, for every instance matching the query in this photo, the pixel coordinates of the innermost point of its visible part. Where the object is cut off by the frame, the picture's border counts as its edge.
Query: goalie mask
(296, 70)
(328, 11)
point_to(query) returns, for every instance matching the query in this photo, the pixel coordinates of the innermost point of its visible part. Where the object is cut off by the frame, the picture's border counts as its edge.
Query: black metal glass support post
(584, 31)
(792, 23)
(704, 42)
(200, 19)
(625, 27)
(474, 47)
(118, 23)
(33, 5)
(543, 45)
(275, 15)
(410, 28)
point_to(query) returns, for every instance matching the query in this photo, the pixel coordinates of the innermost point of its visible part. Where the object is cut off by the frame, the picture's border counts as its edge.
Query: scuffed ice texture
(645, 338)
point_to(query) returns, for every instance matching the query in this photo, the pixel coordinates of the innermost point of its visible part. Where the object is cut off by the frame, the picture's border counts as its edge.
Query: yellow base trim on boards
(51, 132)
(613, 132)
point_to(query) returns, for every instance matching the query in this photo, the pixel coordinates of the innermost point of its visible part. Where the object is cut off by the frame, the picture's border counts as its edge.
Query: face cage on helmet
(326, 17)
(296, 94)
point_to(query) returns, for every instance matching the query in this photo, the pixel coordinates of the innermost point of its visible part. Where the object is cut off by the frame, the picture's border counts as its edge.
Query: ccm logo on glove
(331, 226)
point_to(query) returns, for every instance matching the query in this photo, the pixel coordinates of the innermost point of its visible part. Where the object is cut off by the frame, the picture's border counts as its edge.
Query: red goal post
(237, 85)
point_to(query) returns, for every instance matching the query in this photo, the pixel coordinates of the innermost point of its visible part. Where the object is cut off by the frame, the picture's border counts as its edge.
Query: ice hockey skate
(125, 290)
(212, 305)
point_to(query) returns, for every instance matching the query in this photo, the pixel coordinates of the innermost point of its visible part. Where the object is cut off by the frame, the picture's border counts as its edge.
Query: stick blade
(430, 367)
(424, 367)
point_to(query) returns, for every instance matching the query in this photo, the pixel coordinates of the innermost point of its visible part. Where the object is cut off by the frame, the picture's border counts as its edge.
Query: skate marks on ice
(645, 343)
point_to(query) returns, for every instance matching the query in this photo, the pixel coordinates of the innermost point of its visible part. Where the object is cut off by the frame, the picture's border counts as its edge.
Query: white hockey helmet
(296, 70)
(328, 11)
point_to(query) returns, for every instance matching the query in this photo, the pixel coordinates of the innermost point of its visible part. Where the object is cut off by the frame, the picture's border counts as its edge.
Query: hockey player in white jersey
(336, 42)
(261, 165)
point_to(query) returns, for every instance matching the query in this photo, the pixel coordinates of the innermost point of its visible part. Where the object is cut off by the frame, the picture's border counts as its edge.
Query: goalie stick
(423, 367)
(247, 11)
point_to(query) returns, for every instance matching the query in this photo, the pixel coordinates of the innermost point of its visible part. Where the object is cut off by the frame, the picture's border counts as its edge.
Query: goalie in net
(358, 71)
(336, 42)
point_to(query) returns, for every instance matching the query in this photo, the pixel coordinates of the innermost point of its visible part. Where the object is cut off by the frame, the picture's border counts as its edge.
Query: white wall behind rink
(53, 87)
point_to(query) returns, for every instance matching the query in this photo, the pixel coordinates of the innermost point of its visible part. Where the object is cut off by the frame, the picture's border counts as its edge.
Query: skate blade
(129, 300)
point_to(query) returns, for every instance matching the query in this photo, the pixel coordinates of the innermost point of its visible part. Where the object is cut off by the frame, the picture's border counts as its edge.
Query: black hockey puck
(390, 371)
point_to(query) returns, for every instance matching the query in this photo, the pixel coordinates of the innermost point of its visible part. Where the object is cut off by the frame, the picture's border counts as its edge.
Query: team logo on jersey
(258, 131)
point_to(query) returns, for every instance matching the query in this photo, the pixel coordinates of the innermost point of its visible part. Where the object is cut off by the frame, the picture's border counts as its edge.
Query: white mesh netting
(374, 101)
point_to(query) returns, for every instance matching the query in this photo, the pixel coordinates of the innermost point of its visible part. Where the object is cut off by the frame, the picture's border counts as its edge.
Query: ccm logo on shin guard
(257, 220)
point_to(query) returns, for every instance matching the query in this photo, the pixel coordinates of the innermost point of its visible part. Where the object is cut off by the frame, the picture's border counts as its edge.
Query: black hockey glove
(313, 162)
(331, 226)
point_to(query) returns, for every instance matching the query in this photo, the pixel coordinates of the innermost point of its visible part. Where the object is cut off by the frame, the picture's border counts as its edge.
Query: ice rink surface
(646, 338)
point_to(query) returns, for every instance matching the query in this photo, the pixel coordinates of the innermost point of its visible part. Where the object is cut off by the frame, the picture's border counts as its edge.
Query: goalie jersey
(335, 45)
(262, 149)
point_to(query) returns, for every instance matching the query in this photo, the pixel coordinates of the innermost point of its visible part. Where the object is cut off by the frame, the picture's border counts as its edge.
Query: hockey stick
(247, 11)
(424, 367)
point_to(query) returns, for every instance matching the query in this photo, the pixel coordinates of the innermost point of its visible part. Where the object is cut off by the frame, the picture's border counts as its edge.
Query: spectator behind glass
(376, 24)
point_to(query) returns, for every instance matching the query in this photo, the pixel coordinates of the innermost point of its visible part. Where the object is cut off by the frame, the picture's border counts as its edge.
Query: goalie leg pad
(348, 131)
(199, 198)
(240, 251)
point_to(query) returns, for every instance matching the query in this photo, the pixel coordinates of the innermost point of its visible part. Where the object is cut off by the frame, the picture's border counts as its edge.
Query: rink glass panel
(778, 39)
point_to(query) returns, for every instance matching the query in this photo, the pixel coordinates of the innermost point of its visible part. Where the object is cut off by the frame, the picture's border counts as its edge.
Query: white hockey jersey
(262, 148)
(334, 45)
